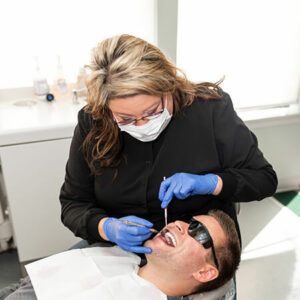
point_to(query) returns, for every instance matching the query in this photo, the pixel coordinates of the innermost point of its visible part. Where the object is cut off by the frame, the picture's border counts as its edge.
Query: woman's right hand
(128, 237)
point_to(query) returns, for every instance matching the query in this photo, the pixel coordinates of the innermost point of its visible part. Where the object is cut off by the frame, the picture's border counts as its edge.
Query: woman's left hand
(183, 185)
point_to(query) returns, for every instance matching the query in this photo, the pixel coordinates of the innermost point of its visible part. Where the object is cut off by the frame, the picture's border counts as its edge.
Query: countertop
(38, 121)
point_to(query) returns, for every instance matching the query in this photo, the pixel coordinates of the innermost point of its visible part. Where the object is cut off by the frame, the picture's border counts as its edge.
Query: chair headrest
(227, 289)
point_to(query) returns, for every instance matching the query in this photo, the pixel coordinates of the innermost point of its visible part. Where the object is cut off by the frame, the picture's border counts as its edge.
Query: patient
(203, 257)
(186, 258)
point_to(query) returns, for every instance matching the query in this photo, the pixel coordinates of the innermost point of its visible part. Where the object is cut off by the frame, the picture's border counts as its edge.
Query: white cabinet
(33, 174)
(34, 147)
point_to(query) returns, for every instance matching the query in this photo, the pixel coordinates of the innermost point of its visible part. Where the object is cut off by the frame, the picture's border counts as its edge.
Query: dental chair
(225, 292)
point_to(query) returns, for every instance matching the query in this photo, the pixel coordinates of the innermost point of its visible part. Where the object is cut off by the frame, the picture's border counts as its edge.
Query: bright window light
(255, 44)
(47, 28)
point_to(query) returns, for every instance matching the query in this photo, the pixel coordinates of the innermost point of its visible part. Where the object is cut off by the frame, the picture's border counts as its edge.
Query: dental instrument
(136, 224)
(166, 210)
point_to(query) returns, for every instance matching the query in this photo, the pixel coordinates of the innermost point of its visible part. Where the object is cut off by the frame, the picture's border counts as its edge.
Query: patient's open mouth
(168, 237)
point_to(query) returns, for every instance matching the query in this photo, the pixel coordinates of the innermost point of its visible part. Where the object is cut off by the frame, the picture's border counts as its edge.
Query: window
(255, 44)
(47, 28)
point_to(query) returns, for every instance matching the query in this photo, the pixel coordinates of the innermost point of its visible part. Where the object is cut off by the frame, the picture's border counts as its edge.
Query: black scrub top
(206, 137)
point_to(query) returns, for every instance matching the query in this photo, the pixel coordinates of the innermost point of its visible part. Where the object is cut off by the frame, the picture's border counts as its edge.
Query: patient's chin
(151, 243)
(147, 243)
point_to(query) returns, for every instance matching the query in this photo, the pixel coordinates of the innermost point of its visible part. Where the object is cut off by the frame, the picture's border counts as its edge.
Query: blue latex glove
(183, 185)
(128, 237)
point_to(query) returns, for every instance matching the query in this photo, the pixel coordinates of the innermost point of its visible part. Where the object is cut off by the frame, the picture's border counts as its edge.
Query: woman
(144, 120)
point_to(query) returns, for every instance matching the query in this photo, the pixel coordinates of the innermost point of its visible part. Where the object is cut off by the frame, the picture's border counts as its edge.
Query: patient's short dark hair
(228, 255)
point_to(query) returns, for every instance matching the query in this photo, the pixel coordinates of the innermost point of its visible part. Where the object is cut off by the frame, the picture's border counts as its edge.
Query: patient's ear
(206, 274)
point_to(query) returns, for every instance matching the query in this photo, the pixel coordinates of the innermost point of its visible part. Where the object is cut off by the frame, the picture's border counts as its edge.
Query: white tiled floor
(270, 267)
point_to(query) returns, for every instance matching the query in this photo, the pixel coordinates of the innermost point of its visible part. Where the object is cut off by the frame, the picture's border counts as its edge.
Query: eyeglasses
(200, 233)
(147, 117)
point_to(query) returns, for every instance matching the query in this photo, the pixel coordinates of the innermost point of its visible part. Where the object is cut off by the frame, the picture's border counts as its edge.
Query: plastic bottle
(81, 77)
(40, 84)
(61, 82)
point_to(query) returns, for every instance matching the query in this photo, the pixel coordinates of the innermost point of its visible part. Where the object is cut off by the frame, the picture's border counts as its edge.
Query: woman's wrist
(219, 186)
(100, 228)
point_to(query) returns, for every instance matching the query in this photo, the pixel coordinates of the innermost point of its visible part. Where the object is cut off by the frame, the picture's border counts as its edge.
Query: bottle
(40, 84)
(61, 82)
(81, 77)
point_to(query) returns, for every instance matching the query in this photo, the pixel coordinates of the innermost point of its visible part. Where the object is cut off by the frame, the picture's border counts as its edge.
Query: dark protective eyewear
(200, 233)
(147, 117)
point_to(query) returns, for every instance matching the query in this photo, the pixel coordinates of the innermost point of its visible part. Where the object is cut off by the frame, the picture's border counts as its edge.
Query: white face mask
(151, 130)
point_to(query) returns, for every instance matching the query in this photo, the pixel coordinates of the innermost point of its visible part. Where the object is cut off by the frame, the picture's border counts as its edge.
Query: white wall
(167, 27)
(280, 143)
(281, 146)
(68, 28)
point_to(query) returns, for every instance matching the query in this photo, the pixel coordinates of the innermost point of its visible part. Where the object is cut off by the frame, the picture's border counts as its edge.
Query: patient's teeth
(170, 239)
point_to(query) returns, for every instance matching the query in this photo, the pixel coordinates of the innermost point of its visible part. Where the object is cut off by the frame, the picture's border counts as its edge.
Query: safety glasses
(200, 233)
(148, 117)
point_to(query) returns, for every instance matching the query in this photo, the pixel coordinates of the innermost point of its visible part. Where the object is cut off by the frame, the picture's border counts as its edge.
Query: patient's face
(178, 251)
